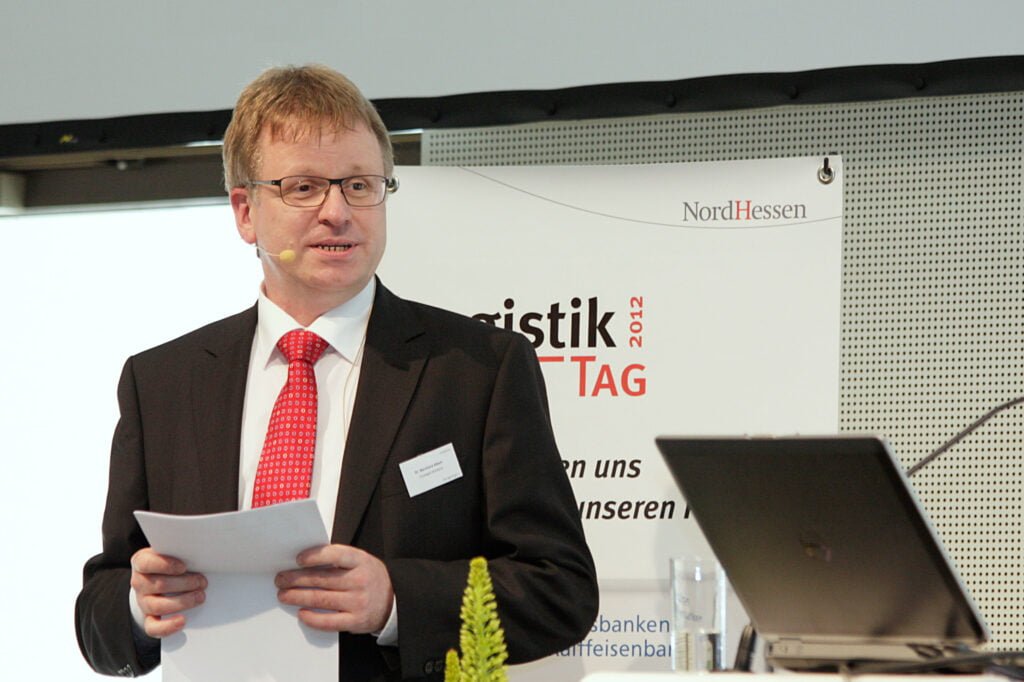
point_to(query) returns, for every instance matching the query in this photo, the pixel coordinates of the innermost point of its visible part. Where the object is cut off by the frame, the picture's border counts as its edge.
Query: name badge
(430, 470)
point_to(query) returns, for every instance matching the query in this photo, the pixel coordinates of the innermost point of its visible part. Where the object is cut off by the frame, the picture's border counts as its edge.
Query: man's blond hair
(292, 102)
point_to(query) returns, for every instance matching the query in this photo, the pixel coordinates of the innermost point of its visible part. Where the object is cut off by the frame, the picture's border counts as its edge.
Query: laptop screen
(822, 539)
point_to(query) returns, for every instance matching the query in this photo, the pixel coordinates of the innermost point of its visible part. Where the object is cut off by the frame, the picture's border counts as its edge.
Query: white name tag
(431, 469)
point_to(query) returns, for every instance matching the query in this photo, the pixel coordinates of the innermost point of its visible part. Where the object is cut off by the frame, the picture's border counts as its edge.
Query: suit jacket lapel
(393, 359)
(218, 394)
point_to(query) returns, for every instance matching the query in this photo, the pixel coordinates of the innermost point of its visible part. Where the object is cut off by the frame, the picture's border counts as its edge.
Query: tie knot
(301, 345)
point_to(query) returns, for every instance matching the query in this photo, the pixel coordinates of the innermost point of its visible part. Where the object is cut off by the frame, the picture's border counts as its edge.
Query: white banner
(662, 299)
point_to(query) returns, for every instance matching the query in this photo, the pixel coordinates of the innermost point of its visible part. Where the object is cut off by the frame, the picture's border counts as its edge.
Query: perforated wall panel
(933, 284)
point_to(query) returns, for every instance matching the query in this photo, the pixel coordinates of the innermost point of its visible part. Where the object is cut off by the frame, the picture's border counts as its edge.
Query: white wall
(73, 60)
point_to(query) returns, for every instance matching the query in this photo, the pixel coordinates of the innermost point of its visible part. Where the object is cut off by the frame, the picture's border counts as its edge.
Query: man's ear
(241, 205)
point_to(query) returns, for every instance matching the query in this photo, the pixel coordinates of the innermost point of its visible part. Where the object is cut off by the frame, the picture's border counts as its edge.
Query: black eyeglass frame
(390, 187)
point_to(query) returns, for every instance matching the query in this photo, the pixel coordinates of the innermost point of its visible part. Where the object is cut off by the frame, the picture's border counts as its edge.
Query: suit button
(428, 667)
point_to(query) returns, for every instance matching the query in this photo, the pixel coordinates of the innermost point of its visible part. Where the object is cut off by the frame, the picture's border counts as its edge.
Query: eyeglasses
(309, 191)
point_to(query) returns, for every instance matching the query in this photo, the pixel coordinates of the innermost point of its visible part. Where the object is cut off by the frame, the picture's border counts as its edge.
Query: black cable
(745, 649)
(963, 434)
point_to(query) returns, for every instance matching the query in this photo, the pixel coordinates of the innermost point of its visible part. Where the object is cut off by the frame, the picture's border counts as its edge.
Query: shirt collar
(343, 328)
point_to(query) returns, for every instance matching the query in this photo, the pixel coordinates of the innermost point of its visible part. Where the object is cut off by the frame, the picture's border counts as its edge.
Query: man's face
(337, 247)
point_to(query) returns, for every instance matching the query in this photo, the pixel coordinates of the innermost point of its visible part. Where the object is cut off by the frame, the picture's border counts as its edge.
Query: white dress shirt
(337, 376)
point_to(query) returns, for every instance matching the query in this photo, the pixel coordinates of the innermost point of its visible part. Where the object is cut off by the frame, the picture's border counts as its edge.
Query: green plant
(481, 637)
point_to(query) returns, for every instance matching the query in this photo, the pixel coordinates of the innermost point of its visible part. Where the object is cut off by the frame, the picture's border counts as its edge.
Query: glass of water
(698, 592)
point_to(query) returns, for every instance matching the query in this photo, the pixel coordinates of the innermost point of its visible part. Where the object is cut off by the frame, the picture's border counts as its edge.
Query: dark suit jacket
(428, 377)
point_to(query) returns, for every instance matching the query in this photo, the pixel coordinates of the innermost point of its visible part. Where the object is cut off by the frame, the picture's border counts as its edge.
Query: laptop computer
(826, 547)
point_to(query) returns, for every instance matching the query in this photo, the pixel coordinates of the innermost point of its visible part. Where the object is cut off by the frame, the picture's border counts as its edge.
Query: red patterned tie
(286, 464)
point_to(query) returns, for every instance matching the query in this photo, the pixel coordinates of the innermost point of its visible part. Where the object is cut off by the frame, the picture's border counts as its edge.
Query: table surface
(764, 677)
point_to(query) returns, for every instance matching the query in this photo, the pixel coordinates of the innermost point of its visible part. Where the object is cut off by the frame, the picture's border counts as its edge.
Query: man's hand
(353, 589)
(163, 589)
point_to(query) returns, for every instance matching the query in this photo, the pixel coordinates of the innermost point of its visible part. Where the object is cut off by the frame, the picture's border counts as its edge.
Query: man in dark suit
(398, 379)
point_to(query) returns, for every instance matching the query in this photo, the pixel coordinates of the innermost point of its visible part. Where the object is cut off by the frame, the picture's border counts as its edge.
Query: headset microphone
(286, 256)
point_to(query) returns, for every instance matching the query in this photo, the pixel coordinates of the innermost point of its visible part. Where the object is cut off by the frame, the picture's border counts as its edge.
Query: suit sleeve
(543, 573)
(107, 636)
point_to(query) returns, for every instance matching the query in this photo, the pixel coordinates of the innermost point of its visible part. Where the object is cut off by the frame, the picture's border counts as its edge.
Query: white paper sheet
(242, 632)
